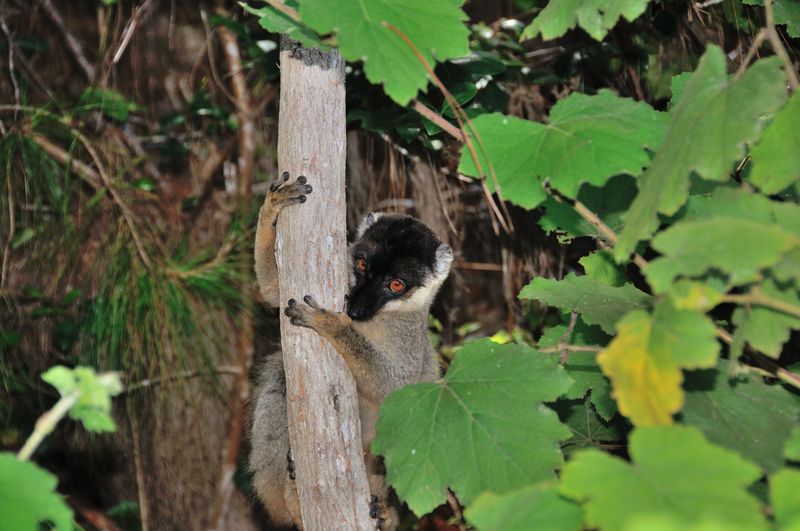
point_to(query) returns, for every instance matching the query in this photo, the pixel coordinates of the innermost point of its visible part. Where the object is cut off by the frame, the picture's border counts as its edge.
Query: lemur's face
(398, 264)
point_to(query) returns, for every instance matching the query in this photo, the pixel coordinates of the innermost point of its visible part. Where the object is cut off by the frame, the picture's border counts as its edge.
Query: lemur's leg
(370, 367)
(379, 507)
(280, 195)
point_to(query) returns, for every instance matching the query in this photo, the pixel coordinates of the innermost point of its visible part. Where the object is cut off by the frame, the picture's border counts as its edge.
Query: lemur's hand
(310, 315)
(282, 194)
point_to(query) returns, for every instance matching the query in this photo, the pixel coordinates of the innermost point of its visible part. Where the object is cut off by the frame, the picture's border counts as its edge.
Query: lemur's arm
(280, 195)
(371, 368)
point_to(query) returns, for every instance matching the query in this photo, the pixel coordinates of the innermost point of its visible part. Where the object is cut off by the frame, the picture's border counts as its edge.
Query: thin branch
(758, 40)
(286, 10)
(185, 375)
(11, 225)
(463, 120)
(758, 298)
(570, 348)
(777, 46)
(130, 29)
(72, 42)
(77, 167)
(126, 212)
(11, 59)
(439, 120)
(47, 423)
(138, 465)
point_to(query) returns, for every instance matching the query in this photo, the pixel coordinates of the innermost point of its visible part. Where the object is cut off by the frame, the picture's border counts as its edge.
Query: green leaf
(110, 102)
(707, 133)
(582, 367)
(587, 426)
(785, 12)
(588, 139)
(534, 507)
(436, 29)
(784, 492)
(737, 247)
(644, 360)
(776, 158)
(28, 497)
(93, 406)
(597, 302)
(596, 17)
(273, 20)
(487, 412)
(738, 413)
(674, 472)
(766, 329)
(677, 84)
(792, 450)
(609, 203)
(600, 265)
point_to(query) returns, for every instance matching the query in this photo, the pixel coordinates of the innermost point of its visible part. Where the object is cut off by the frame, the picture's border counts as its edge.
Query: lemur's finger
(301, 199)
(308, 299)
(285, 176)
(301, 179)
(307, 189)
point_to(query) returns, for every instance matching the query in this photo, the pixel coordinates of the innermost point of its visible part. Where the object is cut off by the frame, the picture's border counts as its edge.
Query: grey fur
(384, 353)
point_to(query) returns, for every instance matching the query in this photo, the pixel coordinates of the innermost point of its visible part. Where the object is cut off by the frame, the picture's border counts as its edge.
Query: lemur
(398, 265)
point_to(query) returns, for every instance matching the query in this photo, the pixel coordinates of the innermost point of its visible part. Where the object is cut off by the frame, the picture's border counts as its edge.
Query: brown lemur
(397, 266)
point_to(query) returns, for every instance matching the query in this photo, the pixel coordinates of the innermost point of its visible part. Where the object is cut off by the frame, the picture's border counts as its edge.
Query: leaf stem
(47, 423)
(286, 10)
(757, 297)
(777, 46)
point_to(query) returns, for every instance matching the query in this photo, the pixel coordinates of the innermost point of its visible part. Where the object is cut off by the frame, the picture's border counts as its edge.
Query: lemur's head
(398, 265)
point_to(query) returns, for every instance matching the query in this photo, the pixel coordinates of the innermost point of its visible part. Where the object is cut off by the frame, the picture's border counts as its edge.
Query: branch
(78, 168)
(439, 120)
(757, 297)
(777, 46)
(72, 42)
(185, 375)
(47, 423)
(286, 10)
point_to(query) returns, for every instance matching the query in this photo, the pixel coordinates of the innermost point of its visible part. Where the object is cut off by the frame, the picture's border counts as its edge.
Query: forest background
(619, 183)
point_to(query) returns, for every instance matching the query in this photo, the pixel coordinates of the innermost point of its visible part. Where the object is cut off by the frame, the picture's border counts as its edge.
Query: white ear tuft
(444, 257)
(368, 220)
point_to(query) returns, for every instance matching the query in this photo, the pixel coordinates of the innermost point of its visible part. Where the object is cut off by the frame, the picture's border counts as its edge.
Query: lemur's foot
(283, 194)
(311, 315)
(378, 510)
(290, 465)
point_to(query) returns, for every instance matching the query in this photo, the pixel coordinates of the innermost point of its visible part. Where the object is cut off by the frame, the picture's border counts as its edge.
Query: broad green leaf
(483, 427)
(708, 129)
(784, 492)
(792, 450)
(692, 295)
(587, 426)
(663, 522)
(597, 302)
(600, 265)
(93, 407)
(273, 20)
(609, 203)
(534, 507)
(764, 328)
(674, 471)
(785, 12)
(588, 139)
(582, 367)
(736, 247)
(596, 17)
(738, 413)
(436, 29)
(677, 84)
(776, 158)
(644, 360)
(28, 497)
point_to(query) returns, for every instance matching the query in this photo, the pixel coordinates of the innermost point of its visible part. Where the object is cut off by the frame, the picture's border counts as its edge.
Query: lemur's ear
(370, 218)
(444, 257)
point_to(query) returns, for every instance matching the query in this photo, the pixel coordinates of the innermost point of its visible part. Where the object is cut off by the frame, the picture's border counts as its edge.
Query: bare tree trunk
(311, 252)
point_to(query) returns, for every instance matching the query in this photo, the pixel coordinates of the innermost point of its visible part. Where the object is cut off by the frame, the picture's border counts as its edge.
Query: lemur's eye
(396, 285)
(361, 265)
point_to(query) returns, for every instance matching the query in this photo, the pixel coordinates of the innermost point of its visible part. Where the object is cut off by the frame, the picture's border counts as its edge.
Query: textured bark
(311, 252)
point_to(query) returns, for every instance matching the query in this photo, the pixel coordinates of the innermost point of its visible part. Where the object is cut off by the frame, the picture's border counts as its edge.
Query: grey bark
(311, 252)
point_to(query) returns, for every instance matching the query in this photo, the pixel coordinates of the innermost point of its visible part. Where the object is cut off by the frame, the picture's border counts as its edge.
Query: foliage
(687, 188)
(28, 497)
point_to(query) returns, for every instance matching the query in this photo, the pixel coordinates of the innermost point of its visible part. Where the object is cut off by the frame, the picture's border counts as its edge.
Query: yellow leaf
(647, 384)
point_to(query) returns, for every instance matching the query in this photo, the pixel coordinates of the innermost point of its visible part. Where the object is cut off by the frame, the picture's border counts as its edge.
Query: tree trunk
(311, 252)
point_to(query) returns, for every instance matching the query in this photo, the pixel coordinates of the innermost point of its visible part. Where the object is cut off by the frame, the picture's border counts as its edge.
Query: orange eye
(396, 285)
(361, 265)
